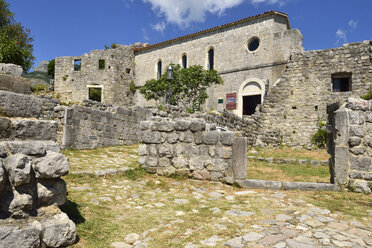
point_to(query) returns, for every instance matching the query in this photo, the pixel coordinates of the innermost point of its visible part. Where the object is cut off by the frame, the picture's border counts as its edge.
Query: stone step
(27, 129)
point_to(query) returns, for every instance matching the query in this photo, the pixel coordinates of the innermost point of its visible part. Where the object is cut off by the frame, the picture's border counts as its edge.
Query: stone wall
(30, 191)
(189, 146)
(293, 107)
(247, 126)
(351, 148)
(87, 127)
(114, 78)
(237, 65)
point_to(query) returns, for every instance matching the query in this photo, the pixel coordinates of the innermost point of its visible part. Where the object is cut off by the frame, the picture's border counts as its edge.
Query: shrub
(367, 96)
(319, 138)
(40, 87)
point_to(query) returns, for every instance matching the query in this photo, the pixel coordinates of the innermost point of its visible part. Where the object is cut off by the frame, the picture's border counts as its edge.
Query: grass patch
(287, 172)
(289, 152)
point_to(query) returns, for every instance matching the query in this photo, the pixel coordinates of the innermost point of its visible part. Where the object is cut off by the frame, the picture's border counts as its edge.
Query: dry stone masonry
(189, 146)
(351, 150)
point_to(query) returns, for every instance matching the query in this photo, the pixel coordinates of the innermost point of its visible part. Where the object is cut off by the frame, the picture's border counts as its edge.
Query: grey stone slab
(305, 186)
(259, 184)
(239, 166)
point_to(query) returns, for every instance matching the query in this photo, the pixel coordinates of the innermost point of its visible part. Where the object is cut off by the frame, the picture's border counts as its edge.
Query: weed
(319, 138)
(135, 174)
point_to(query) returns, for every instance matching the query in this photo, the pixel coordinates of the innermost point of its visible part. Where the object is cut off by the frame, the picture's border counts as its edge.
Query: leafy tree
(188, 87)
(15, 40)
(51, 67)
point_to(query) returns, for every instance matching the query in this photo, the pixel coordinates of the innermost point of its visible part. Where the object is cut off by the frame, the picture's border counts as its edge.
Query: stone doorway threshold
(278, 185)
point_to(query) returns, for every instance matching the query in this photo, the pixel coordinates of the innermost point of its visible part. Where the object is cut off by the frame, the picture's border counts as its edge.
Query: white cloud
(341, 34)
(183, 12)
(353, 24)
(159, 26)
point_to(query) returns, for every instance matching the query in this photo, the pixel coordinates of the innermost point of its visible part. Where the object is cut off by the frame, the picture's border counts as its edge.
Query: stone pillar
(240, 158)
(68, 134)
(341, 153)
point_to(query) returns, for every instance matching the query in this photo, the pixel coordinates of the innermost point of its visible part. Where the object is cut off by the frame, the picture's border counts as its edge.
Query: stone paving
(220, 215)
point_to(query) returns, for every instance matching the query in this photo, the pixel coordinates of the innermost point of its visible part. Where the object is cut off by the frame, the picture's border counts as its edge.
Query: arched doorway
(251, 93)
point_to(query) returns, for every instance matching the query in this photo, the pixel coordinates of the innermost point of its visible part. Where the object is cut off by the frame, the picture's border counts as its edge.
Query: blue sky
(74, 27)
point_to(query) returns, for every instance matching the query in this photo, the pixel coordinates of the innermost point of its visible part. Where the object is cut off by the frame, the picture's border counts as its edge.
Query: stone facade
(244, 72)
(110, 70)
(293, 107)
(189, 146)
(351, 146)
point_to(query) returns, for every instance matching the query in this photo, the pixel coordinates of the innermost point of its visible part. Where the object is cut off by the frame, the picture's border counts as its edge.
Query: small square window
(341, 82)
(77, 64)
(127, 70)
(95, 94)
(101, 64)
(220, 101)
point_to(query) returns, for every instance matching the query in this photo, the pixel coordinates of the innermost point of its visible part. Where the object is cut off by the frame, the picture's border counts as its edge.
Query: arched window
(159, 70)
(211, 59)
(184, 61)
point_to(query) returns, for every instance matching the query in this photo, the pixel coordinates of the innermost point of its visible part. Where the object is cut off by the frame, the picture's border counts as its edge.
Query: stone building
(261, 61)
(108, 73)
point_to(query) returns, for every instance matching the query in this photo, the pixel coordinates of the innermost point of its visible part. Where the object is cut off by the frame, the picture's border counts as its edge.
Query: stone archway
(251, 93)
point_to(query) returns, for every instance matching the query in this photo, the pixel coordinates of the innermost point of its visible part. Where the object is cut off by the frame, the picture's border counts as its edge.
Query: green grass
(289, 152)
(287, 172)
(110, 221)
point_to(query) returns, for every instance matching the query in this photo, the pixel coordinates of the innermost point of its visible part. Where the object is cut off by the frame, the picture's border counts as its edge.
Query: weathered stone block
(224, 152)
(361, 163)
(356, 175)
(20, 204)
(142, 150)
(239, 163)
(179, 162)
(358, 131)
(358, 150)
(58, 231)
(53, 165)
(355, 141)
(151, 161)
(216, 175)
(305, 186)
(5, 128)
(149, 137)
(368, 141)
(211, 138)
(216, 165)
(18, 167)
(165, 126)
(32, 148)
(173, 138)
(341, 165)
(34, 129)
(164, 162)
(198, 138)
(178, 150)
(3, 148)
(166, 150)
(51, 191)
(259, 184)
(212, 151)
(14, 237)
(196, 163)
(201, 175)
(357, 104)
(191, 150)
(197, 125)
(227, 138)
(186, 137)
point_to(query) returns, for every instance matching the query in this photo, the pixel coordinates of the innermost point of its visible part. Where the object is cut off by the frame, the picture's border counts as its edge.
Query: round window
(253, 44)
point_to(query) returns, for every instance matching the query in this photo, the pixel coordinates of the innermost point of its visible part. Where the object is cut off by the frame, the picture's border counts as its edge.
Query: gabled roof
(268, 13)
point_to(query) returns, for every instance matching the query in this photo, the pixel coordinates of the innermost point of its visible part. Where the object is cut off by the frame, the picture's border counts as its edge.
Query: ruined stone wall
(295, 104)
(235, 63)
(189, 146)
(351, 148)
(114, 79)
(85, 127)
(247, 126)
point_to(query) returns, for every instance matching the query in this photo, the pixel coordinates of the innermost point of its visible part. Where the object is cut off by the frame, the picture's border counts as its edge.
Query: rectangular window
(341, 82)
(77, 64)
(95, 94)
(101, 64)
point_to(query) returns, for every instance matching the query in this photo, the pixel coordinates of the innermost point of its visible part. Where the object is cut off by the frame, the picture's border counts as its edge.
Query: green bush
(319, 139)
(95, 94)
(40, 87)
(367, 96)
(51, 66)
